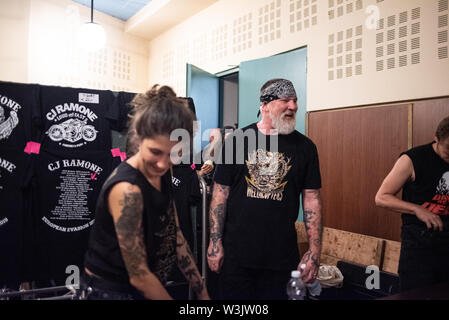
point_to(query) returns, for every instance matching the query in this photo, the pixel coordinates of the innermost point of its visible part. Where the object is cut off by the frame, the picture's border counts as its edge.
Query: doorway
(229, 100)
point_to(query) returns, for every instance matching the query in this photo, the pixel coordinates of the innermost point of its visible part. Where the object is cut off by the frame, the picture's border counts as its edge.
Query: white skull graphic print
(443, 184)
(267, 171)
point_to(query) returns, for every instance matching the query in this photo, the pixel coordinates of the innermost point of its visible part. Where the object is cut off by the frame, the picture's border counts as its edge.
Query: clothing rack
(73, 293)
(203, 233)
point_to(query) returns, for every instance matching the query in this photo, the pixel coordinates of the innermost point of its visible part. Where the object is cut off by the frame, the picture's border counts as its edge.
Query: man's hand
(430, 219)
(311, 263)
(215, 255)
(206, 168)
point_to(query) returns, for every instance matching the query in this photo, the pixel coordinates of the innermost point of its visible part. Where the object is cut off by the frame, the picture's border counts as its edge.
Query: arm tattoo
(130, 233)
(217, 220)
(311, 256)
(192, 275)
(180, 241)
(217, 216)
(186, 263)
(312, 217)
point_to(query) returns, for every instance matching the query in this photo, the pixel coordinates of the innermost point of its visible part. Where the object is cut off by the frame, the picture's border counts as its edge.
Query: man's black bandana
(278, 90)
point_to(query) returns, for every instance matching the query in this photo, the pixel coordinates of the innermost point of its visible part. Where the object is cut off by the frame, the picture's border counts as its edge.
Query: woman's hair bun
(159, 111)
(157, 92)
(166, 92)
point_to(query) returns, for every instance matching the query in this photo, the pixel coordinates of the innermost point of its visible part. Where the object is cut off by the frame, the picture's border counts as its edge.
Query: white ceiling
(160, 15)
(149, 18)
(121, 9)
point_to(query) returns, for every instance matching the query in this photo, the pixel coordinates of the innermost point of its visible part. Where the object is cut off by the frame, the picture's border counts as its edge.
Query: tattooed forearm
(217, 218)
(130, 233)
(314, 257)
(186, 261)
(224, 190)
(312, 217)
(180, 240)
(217, 211)
(185, 264)
(217, 215)
(214, 238)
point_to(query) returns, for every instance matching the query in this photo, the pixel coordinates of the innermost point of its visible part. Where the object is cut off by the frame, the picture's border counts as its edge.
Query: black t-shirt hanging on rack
(14, 166)
(121, 110)
(186, 190)
(65, 192)
(76, 119)
(19, 107)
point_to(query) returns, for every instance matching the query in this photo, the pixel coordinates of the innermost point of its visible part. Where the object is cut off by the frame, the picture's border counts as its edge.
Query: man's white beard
(283, 126)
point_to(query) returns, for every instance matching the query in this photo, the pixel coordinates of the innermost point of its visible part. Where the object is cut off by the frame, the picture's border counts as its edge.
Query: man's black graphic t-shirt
(19, 109)
(76, 119)
(263, 202)
(65, 192)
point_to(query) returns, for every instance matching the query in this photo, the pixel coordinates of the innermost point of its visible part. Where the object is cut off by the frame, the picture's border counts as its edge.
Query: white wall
(14, 40)
(43, 37)
(231, 31)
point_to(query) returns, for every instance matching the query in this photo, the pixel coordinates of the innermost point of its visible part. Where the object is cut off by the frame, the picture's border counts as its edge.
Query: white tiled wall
(359, 51)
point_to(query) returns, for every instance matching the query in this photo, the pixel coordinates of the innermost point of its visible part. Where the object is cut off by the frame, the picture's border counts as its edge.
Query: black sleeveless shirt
(431, 186)
(104, 257)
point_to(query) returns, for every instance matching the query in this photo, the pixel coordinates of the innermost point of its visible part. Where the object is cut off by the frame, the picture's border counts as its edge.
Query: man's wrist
(315, 251)
(215, 236)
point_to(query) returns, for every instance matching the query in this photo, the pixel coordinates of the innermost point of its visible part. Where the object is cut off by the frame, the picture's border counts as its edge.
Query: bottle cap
(296, 274)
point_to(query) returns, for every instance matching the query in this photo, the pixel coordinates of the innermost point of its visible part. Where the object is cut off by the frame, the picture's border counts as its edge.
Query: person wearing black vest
(423, 175)
(136, 237)
(255, 202)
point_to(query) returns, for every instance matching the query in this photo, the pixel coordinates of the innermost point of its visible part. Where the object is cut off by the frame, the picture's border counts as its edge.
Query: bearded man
(255, 202)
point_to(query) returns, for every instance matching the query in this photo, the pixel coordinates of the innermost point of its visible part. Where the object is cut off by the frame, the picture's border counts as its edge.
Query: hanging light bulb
(91, 35)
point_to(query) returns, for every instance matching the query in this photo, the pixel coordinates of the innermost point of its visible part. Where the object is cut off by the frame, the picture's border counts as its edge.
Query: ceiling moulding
(160, 15)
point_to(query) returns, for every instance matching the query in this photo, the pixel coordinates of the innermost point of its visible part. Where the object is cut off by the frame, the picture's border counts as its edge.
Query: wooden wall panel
(391, 256)
(357, 148)
(426, 117)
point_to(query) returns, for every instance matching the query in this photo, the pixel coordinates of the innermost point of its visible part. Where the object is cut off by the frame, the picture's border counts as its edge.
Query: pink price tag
(123, 156)
(115, 152)
(32, 147)
(35, 147)
(28, 148)
(193, 166)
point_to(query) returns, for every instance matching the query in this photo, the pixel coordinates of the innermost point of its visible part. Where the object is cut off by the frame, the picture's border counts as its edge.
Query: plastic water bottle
(314, 288)
(296, 290)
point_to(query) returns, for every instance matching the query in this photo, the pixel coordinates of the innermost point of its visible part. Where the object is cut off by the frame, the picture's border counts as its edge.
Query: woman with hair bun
(136, 238)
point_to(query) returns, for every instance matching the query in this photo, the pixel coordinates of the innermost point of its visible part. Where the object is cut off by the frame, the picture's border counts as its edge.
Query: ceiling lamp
(91, 36)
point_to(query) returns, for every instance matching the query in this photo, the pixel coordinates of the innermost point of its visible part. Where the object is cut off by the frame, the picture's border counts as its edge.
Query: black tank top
(104, 257)
(431, 186)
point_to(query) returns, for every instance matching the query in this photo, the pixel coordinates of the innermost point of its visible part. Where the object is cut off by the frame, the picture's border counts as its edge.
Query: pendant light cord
(92, 11)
